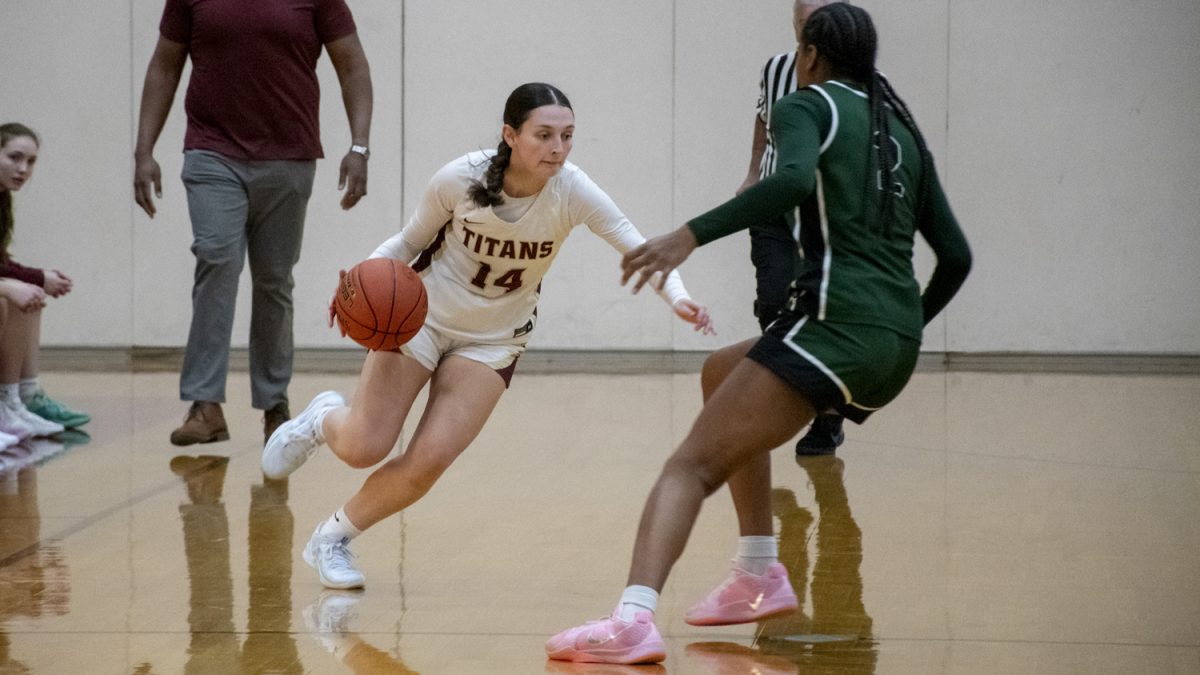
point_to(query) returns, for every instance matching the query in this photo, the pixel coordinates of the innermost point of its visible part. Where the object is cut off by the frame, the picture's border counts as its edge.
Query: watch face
(360, 149)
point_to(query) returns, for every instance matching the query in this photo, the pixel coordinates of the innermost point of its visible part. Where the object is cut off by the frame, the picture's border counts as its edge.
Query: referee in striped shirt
(773, 247)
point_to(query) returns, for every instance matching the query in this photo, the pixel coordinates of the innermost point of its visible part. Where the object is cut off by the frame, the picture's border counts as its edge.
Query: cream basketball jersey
(482, 272)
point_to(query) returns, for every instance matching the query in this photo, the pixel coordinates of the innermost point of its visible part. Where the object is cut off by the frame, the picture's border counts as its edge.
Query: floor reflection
(34, 578)
(213, 646)
(553, 666)
(331, 621)
(1091, 570)
(837, 635)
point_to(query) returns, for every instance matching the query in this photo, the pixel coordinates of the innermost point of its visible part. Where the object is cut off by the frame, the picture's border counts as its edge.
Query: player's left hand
(659, 255)
(352, 176)
(333, 303)
(696, 314)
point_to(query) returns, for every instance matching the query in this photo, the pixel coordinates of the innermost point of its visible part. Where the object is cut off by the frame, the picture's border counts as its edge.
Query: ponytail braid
(898, 105)
(885, 153)
(845, 36)
(489, 191)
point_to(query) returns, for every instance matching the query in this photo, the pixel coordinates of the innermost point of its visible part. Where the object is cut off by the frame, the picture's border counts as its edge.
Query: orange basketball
(381, 303)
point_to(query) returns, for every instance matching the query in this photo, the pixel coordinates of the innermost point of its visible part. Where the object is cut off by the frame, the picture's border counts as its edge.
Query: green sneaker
(44, 406)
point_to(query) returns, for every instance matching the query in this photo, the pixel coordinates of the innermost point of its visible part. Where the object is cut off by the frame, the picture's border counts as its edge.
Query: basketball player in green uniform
(853, 168)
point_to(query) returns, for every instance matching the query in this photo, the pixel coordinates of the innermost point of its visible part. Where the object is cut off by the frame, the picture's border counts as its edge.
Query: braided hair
(7, 133)
(845, 36)
(521, 102)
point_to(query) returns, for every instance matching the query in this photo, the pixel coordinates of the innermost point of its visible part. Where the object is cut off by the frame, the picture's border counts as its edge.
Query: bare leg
(364, 433)
(461, 398)
(16, 335)
(752, 412)
(33, 341)
(750, 486)
(7, 309)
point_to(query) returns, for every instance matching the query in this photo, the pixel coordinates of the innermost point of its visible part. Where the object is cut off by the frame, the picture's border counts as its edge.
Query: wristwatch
(362, 150)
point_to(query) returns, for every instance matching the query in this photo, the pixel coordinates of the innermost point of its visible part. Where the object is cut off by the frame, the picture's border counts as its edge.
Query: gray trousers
(241, 209)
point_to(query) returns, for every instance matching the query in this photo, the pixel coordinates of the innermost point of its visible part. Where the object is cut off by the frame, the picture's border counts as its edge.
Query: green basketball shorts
(853, 369)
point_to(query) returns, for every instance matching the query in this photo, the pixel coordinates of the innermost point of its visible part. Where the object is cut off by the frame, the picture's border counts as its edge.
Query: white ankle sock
(637, 599)
(10, 394)
(319, 424)
(755, 554)
(29, 388)
(338, 527)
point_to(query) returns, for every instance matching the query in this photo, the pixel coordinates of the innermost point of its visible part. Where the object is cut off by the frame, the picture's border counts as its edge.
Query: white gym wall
(1066, 135)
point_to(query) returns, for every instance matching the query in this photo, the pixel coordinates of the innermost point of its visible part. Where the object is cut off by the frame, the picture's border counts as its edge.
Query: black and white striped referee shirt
(778, 80)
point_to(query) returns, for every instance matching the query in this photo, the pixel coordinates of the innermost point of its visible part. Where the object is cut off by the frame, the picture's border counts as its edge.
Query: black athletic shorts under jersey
(853, 369)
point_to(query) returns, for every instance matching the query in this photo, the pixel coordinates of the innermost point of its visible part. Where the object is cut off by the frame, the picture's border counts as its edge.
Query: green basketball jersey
(855, 269)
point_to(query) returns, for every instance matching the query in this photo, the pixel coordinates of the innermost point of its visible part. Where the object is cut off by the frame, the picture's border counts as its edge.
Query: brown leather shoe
(205, 423)
(273, 418)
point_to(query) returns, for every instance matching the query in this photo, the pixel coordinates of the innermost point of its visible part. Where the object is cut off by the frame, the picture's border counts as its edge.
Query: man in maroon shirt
(250, 154)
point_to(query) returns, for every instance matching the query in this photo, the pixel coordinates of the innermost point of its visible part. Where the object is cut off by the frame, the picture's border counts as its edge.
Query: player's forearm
(673, 290)
(949, 244)
(772, 196)
(397, 248)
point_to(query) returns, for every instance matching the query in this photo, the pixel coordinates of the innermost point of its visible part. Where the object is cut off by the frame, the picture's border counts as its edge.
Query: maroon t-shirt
(253, 93)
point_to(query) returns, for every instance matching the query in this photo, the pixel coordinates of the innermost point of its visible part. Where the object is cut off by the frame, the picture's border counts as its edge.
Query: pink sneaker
(578, 668)
(610, 640)
(745, 597)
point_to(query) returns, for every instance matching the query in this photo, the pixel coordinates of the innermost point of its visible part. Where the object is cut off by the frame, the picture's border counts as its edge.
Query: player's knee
(712, 375)
(716, 368)
(718, 364)
(695, 469)
(361, 460)
(367, 451)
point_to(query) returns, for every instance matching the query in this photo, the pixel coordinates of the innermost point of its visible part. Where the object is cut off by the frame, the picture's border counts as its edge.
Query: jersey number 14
(510, 280)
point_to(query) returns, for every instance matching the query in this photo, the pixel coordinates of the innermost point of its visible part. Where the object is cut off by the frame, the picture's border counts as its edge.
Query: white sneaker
(12, 424)
(13, 459)
(332, 611)
(298, 438)
(7, 439)
(328, 619)
(40, 425)
(45, 448)
(333, 561)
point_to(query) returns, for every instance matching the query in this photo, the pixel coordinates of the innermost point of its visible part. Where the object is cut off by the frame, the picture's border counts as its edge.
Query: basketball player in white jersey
(482, 238)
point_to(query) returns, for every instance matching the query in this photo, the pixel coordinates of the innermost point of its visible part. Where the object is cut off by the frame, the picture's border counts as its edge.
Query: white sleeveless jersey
(482, 273)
